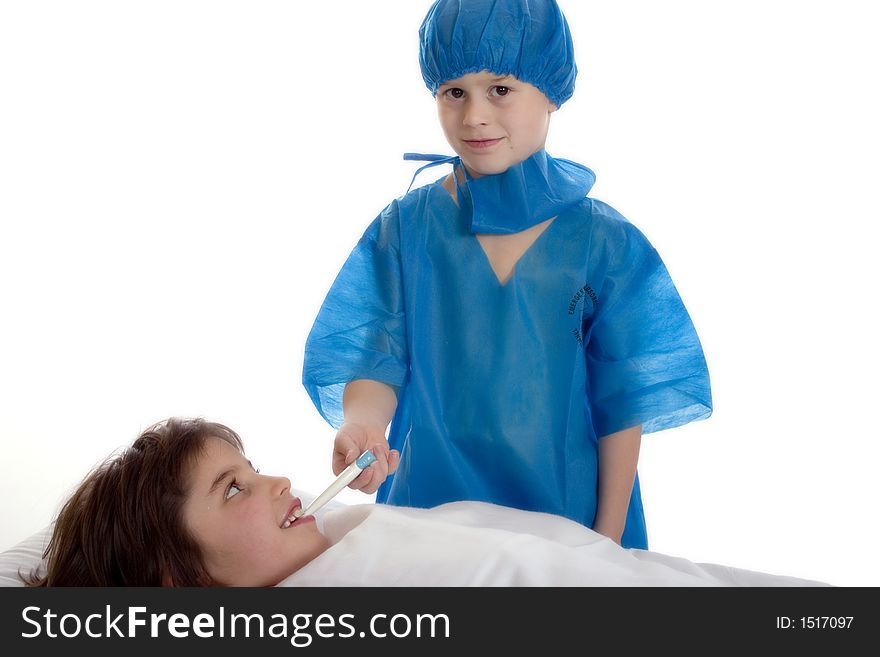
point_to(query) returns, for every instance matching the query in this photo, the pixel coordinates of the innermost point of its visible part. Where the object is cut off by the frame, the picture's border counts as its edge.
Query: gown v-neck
(503, 265)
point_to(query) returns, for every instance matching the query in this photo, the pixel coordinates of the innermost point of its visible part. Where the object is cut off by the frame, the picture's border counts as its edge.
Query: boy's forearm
(618, 458)
(370, 403)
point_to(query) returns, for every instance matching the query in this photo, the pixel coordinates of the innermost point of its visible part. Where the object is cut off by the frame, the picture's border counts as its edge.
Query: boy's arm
(367, 407)
(369, 402)
(618, 458)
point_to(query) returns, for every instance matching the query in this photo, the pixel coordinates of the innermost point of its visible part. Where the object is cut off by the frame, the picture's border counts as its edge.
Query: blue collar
(527, 193)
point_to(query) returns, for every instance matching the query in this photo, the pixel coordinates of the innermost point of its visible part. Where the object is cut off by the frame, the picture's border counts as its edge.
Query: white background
(180, 182)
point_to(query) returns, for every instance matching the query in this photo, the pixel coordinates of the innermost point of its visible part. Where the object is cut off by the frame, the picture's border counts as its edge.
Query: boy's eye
(455, 92)
(233, 490)
(501, 91)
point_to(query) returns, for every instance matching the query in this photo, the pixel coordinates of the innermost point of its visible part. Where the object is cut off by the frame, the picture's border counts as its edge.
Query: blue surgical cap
(528, 39)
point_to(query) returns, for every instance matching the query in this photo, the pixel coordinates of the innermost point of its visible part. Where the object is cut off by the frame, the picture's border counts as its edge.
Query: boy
(518, 335)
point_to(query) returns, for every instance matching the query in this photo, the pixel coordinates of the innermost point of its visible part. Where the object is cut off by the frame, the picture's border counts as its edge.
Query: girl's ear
(167, 581)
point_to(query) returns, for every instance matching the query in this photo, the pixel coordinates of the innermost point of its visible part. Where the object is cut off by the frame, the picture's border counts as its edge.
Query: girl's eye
(233, 490)
(501, 91)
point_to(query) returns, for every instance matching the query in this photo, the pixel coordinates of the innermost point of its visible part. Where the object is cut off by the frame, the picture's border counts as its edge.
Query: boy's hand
(613, 533)
(351, 441)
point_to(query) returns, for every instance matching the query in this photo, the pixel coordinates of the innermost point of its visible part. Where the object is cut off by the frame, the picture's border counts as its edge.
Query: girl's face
(237, 517)
(493, 122)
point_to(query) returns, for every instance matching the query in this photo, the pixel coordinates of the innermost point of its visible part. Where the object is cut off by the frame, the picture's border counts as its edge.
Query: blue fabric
(528, 39)
(525, 194)
(504, 390)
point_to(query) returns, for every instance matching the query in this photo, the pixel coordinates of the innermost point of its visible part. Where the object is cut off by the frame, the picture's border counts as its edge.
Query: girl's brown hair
(123, 525)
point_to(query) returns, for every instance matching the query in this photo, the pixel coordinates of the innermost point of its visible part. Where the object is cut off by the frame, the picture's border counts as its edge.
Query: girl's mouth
(292, 520)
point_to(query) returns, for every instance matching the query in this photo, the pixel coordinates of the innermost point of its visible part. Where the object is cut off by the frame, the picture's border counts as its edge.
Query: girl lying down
(182, 506)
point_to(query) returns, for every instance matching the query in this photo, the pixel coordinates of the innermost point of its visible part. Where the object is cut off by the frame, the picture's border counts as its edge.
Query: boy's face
(237, 517)
(493, 122)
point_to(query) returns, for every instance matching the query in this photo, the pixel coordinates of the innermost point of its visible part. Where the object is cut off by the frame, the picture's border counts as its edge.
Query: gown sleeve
(645, 363)
(359, 332)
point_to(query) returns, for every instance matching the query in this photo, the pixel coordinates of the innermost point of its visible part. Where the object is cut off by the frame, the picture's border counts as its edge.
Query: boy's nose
(476, 113)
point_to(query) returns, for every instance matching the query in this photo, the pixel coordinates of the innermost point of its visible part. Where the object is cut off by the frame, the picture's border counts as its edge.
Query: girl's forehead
(216, 456)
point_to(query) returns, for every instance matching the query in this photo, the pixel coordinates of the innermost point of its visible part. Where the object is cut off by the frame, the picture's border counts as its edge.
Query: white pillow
(24, 557)
(27, 555)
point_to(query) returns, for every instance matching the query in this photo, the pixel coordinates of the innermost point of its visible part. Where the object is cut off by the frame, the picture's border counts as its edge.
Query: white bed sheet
(466, 544)
(478, 544)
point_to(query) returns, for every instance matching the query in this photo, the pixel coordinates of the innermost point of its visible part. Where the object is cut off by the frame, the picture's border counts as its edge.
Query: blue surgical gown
(505, 389)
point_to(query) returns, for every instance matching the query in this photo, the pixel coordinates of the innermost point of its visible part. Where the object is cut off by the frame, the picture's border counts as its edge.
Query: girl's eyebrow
(226, 474)
(223, 476)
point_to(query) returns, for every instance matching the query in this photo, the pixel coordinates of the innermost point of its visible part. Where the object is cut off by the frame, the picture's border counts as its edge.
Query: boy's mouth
(481, 143)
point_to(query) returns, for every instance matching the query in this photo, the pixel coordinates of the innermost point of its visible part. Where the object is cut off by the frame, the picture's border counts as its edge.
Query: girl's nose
(279, 485)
